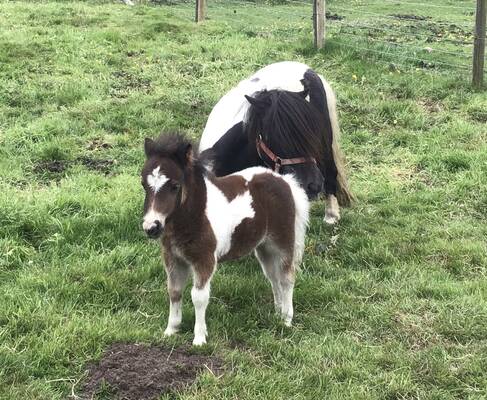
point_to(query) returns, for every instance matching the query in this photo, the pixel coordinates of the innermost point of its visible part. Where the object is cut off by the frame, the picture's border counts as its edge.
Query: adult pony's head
(287, 130)
(167, 162)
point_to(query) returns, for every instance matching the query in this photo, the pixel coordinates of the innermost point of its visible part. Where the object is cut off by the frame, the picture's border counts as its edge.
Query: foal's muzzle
(155, 230)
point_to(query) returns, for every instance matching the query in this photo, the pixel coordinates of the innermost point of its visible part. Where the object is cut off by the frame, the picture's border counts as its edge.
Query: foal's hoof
(199, 341)
(170, 331)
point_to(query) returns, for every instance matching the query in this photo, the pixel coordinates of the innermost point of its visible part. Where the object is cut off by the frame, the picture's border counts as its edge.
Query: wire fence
(408, 34)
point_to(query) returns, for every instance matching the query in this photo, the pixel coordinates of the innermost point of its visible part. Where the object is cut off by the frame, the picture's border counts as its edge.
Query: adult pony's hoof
(332, 210)
(331, 218)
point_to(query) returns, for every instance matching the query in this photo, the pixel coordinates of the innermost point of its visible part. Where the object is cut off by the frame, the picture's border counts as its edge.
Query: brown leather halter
(278, 161)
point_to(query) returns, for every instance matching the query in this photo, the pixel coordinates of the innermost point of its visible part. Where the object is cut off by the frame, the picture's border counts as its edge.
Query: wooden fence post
(200, 10)
(479, 45)
(319, 23)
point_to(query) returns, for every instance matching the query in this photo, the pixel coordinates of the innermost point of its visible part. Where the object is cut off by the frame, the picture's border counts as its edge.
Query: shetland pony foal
(203, 219)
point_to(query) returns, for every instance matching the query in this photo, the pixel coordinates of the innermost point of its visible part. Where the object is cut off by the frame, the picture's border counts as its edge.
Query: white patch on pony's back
(156, 180)
(225, 216)
(301, 206)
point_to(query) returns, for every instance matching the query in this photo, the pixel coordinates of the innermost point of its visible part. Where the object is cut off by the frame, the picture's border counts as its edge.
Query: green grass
(390, 304)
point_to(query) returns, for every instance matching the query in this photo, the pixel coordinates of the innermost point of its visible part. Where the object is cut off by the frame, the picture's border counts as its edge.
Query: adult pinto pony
(283, 117)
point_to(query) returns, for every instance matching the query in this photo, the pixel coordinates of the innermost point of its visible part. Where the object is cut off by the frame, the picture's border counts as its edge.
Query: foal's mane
(287, 122)
(174, 145)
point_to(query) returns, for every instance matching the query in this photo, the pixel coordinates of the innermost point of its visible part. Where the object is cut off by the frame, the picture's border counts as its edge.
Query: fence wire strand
(264, 16)
(401, 3)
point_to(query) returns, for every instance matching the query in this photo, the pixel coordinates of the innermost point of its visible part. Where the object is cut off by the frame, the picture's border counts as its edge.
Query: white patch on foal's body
(249, 173)
(301, 204)
(156, 180)
(225, 216)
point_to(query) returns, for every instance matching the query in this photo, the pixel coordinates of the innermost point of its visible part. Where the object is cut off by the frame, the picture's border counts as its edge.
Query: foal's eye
(174, 186)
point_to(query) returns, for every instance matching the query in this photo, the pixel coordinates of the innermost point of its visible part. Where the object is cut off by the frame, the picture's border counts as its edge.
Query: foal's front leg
(200, 294)
(177, 274)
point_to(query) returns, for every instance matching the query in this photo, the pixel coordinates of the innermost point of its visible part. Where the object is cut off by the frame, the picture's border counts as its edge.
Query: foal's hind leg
(287, 287)
(270, 267)
(279, 269)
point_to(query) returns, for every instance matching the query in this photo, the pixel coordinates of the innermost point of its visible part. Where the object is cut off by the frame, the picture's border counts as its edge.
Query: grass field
(390, 304)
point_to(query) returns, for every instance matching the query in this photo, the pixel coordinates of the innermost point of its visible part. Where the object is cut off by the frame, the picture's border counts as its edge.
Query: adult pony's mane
(290, 125)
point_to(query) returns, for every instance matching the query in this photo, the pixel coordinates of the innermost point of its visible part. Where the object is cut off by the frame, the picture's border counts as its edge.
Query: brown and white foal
(202, 219)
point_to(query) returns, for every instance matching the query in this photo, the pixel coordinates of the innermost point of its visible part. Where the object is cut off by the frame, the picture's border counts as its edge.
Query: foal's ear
(148, 146)
(185, 154)
(261, 104)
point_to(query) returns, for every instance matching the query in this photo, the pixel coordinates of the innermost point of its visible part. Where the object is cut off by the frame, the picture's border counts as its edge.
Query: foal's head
(167, 161)
(292, 129)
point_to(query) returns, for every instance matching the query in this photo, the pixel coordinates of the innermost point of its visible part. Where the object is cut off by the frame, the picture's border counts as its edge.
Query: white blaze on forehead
(156, 180)
(225, 216)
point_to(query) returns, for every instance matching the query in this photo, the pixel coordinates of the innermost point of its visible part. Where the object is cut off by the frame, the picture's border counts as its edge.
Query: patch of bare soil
(55, 166)
(334, 17)
(97, 164)
(125, 82)
(141, 372)
(410, 17)
(98, 144)
(430, 106)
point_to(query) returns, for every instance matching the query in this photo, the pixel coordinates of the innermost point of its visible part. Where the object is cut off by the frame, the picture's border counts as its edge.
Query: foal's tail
(344, 195)
(301, 214)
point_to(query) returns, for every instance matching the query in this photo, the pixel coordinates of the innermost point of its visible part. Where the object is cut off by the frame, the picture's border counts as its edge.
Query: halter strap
(278, 161)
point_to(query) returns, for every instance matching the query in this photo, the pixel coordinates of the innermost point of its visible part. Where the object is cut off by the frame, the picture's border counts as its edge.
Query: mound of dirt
(142, 372)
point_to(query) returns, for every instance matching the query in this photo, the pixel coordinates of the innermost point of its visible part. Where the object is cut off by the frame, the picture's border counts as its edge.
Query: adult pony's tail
(344, 195)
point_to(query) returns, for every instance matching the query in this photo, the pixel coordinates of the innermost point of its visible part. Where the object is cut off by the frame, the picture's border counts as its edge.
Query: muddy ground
(143, 372)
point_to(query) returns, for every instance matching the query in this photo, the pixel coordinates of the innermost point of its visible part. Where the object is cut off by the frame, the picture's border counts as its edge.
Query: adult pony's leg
(177, 274)
(200, 294)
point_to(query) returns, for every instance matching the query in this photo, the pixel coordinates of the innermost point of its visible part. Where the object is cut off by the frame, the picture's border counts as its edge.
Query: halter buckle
(277, 164)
